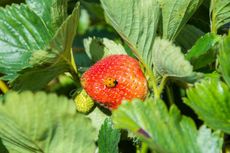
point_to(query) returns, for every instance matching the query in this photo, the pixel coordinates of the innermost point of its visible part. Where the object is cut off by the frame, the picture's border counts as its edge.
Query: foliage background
(184, 55)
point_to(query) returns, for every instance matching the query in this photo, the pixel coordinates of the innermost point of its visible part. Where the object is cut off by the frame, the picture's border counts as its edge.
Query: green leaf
(98, 48)
(37, 77)
(52, 12)
(168, 60)
(94, 8)
(3, 148)
(220, 14)
(136, 22)
(53, 61)
(73, 134)
(175, 14)
(22, 32)
(43, 123)
(15, 139)
(97, 117)
(62, 41)
(208, 141)
(223, 58)
(210, 100)
(164, 131)
(84, 22)
(188, 36)
(108, 138)
(202, 53)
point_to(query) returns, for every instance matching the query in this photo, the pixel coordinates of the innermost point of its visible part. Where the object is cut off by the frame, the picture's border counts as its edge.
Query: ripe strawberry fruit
(113, 79)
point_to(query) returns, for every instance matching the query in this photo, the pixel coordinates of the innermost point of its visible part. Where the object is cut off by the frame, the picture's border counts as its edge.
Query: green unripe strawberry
(83, 102)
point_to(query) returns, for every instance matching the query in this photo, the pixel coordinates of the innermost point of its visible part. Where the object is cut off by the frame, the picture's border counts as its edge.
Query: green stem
(74, 75)
(162, 84)
(73, 68)
(152, 81)
(170, 95)
(213, 17)
(144, 148)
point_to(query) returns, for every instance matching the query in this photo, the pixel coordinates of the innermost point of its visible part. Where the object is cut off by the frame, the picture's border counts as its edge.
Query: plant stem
(170, 95)
(152, 81)
(3, 87)
(213, 17)
(73, 68)
(144, 148)
(162, 84)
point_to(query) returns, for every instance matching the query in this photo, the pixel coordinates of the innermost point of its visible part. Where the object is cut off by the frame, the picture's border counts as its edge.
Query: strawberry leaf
(37, 77)
(175, 14)
(43, 123)
(53, 61)
(22, 33)
(98, 48)
(211, 98)
(168, 60)
(47, 10)
(94, 8)
(97, 117)
(223, 58)
(108, 138)
(136, 22)
(15, 139)
(163, 130)
(202, 53)
(220, 13)
(188, 36)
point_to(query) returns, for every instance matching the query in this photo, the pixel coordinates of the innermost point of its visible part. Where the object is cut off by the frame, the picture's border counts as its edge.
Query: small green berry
(83, 102)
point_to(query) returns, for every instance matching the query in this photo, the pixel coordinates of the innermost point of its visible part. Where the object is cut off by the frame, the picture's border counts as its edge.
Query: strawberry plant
(115, 76)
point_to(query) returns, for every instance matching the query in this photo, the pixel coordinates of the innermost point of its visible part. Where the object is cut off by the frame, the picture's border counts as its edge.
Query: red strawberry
(113, 79)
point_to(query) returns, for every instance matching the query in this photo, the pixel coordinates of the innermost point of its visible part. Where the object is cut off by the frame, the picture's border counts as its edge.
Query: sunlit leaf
(210, 100)
(223, 57)
(175, 14)
(98, 48)
(21, 33)
(220, 13)
(108, 138)
(208, 141)
(43, 123)
(165, 131)
(15, 139)
(98, 117)
(168, 60)
(52, 12)
(53, 61)
(136, 22)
